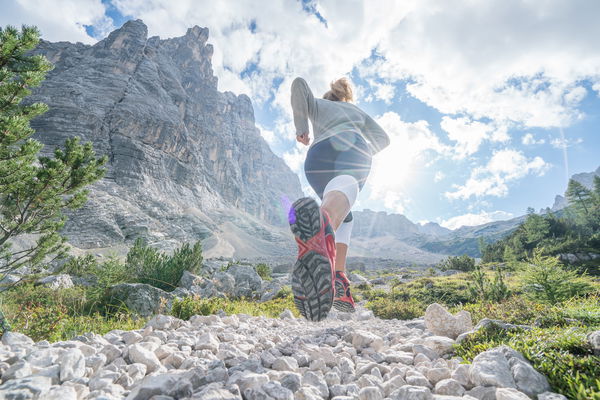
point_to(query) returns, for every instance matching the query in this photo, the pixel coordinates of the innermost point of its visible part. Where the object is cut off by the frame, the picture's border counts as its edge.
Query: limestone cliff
(186, 162)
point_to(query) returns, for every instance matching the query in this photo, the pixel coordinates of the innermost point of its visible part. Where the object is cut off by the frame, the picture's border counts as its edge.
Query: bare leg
(336, 205)
(341, 250)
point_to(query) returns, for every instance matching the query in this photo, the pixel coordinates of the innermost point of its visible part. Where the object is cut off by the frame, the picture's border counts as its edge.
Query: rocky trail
(220, 357)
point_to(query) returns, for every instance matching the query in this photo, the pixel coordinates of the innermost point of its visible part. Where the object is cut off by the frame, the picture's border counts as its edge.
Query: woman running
(337, 166)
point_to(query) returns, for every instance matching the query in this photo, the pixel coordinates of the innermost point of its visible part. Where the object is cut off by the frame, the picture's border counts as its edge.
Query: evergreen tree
(580, 197)
(34, 190)
(535, 228)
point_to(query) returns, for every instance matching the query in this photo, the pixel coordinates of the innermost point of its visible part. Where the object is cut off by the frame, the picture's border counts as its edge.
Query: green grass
(45, 314)
(186, 308)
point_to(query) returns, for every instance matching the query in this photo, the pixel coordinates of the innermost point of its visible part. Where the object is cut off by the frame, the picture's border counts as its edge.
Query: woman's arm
(303, 105)
(376, 135)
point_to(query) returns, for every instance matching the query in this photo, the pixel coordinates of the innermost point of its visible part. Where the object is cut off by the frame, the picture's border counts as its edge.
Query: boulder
(357, 279)
(247, 282)
(270, 290)
(593, 339)
(55, 282)
(505, 367)
(188, 280)
(440, 322)
(140, 298)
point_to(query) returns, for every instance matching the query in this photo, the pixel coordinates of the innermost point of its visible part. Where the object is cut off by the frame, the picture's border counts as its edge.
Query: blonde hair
(340, 91)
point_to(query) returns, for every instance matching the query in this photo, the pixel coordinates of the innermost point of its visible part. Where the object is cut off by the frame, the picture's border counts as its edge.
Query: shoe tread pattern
(311, 276)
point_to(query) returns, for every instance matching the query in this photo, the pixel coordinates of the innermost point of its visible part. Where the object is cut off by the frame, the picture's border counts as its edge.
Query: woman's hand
(304, 139)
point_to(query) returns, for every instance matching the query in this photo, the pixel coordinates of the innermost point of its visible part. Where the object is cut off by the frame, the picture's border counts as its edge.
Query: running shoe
(343, 301)
(313, 273)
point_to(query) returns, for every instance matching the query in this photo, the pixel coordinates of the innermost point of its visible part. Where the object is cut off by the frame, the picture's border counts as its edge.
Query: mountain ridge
(184, 159)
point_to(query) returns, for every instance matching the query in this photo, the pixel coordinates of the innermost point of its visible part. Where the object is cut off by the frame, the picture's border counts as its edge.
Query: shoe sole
(311, 276)
(340, 305)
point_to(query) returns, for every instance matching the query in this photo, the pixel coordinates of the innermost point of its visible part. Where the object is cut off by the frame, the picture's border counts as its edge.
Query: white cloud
(518, 73)
(491, 180)
(439, 175)
(467, 59)
(59, 20)
(381, 91)
(528, 139)
(471, 219)
(563, 143)
(467, 134)
(267, 134)
(596, 88)
(295, 158)
(395, 202)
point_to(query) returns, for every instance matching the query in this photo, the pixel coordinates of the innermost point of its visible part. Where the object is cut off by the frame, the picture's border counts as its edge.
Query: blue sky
(490, 107)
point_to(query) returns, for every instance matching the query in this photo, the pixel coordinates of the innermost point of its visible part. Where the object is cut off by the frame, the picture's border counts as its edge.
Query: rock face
(186, 162)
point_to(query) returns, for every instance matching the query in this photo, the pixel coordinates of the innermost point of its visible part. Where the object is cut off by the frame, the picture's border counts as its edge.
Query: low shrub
(460, 263)
(386, 308)
(484, 289)
(448, 290)
(189, 306)
(264, 271)
(546, 279)
(150, 266)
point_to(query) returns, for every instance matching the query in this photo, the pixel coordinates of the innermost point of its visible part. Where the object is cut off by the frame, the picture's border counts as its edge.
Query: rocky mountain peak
(186, 162)
(133, 34)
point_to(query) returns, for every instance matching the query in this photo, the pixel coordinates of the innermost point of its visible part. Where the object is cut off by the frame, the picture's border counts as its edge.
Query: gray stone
(33, 387)
(440, 322)
(286, 314)
(247, 380)
(277, 392)
(55, 282)
(11, 338)
(370, 393)
(270, 290)
(291, 381)
(593, 339)
(138, 353)
(61, 393)
(317, 382)
(449, 387)
(247, 282)
(408, 392)
(72, 365)
(491, 368)
(164, 384)
(285, 364)
(437, 374)
(440, 344)
(483, 393)
(140, 298)
(510, 394)
(551, 396)
(188, 280)
(18, 370)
